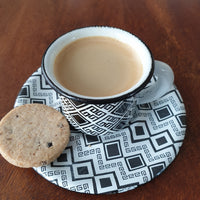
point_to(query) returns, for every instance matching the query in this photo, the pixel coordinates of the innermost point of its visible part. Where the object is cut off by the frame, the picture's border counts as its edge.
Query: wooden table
(171, 28)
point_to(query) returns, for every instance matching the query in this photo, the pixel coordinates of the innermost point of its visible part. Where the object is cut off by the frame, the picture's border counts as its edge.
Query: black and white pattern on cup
(115, 162)
(99, 119)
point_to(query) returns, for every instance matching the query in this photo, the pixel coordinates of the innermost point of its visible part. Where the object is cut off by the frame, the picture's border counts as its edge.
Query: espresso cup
(101, 75)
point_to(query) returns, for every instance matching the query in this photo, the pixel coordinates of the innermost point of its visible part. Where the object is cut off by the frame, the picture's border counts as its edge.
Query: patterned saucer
(117, 162)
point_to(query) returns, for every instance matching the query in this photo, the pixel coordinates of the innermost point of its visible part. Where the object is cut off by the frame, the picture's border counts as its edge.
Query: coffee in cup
(97, 66)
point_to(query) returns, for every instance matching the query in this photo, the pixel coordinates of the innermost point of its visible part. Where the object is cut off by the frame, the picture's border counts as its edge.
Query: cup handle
(163, 83)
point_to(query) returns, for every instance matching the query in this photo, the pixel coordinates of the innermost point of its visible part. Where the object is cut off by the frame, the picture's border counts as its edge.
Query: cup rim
(86, 99)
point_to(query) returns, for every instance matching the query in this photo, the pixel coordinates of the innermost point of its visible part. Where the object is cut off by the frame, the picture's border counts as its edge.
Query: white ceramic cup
(103, 115)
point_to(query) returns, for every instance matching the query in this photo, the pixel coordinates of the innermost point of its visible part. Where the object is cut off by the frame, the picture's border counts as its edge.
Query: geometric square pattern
(146, 106)
(156, 169)
(24, 92)
(106, 183)
(91, 140)
(82, 170)
(40, 101)
(163, 113)
(118, 161)
(139, 130)
(112, 150)
(62, 157)
(162, 140)
(135, 162)
(181, 118)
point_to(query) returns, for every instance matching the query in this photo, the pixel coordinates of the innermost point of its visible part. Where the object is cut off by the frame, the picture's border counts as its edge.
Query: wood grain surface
(171, 28)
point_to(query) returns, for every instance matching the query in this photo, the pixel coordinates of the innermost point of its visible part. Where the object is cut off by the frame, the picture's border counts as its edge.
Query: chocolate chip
(60, 125)
(43, 162)
(17, 116)
(49, 144)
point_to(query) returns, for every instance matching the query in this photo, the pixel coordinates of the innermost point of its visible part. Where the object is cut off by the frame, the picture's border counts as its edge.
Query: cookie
(33, 135)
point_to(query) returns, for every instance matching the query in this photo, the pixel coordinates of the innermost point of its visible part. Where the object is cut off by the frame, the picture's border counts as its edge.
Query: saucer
(118, 162)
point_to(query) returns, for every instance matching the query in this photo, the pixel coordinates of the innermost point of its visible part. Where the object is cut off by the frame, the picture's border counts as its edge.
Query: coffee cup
(101, 75)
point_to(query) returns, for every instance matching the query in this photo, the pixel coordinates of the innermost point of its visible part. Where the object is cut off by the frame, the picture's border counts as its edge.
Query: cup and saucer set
(116, 144)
